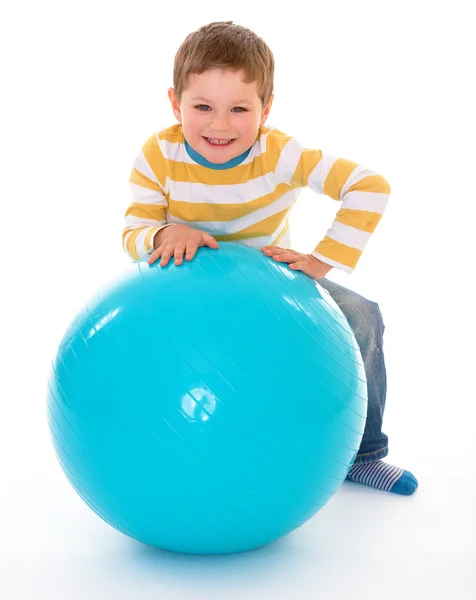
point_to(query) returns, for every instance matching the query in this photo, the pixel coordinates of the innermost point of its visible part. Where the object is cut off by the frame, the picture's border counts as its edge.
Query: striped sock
(383, 476)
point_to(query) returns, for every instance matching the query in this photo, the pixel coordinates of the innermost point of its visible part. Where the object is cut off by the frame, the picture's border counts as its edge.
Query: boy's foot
(383, 476)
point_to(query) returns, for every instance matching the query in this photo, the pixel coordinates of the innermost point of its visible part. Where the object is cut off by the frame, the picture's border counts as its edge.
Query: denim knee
(363, 315)
(366, 320)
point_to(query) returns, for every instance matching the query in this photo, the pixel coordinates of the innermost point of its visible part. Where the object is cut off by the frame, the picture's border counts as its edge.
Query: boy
(221, 175)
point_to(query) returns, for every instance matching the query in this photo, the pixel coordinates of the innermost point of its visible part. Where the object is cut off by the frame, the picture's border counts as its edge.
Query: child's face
(218, 105)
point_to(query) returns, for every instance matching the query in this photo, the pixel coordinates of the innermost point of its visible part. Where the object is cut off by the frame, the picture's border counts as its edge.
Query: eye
(205, 108)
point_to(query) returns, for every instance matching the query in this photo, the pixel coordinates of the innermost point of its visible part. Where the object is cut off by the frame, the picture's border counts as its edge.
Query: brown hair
(224, 45)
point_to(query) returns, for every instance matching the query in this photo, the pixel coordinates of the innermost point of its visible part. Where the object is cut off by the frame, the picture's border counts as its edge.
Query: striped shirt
(250, 202)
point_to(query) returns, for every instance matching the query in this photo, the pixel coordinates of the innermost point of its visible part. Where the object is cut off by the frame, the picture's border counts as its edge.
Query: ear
(175, 104)
(266, 110)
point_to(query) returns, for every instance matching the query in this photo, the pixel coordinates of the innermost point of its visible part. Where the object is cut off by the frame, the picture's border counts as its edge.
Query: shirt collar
(201, 160)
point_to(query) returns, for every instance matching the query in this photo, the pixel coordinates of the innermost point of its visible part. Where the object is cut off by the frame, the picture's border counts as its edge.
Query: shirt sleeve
(362, 192)
(146, 215)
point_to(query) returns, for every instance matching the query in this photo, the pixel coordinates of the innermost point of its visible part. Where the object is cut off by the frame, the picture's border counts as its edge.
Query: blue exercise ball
(208, 408)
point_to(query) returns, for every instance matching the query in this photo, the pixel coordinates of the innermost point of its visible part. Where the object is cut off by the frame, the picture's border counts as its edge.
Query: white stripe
(237, 193)
(140, 247)
(124, 244)
(349, 236)
(263, 140)
(136, 222)
(141, 165)
(318, 175)
(331, 262)
(175, 151)
(286, 240)
(133, 228)
(370, 201)
(257, 242)
(143, 195)
(288, 160)
(268, 240)
(286, 201)
(359, 173)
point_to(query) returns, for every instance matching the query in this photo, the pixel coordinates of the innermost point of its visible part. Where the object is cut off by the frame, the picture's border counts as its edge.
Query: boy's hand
(177, 240)
(308, 264)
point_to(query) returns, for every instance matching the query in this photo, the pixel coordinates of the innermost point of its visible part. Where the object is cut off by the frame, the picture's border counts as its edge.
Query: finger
(166, 255)
(285, 257)
(191, 251)
(178, 254)
(272, 251)
(298, 266)
(209, 240)
(153, 257)
(303, 266)
(156, 254)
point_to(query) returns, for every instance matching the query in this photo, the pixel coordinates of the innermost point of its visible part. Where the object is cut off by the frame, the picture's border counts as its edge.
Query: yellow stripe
(345, 255)
(264, 227)
(337, 177)
(131, 242)
(148, 242)
(306, 165)
(205, 211)
(360, 219)
(372, 183)
(140, 179)
(155, 212)
(172, 134)
(275, 143)
(179, 171)
(156, 160)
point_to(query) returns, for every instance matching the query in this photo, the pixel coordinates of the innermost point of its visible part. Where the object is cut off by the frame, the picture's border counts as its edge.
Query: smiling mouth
(217, 142)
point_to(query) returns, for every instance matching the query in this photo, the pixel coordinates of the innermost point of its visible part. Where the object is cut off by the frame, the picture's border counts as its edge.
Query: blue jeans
(365, 319)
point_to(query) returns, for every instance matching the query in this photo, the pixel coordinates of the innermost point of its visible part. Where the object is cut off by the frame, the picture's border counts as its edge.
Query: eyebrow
(203, 99)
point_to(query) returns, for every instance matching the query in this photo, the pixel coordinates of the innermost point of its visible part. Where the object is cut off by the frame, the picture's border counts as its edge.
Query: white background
(386, 84)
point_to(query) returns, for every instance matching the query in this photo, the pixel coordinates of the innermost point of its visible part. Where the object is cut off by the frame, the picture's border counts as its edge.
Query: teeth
(218, 142)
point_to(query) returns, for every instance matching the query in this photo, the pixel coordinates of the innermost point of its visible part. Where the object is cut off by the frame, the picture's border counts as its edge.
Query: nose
(220, 122)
